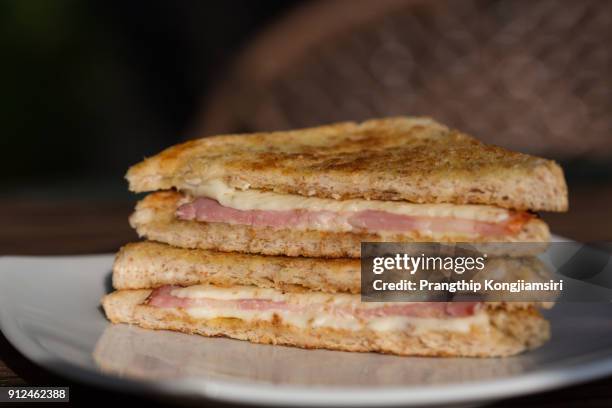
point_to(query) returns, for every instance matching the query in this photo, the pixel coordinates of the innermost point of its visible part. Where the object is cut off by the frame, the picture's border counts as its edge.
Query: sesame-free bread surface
(507, 333)
(154, 218)
(145, 265)
(409, 159)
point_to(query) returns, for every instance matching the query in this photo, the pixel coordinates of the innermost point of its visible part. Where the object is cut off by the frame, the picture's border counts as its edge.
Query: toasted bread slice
(144, 265)
(502, 333)
(408, 159)
(154, 218)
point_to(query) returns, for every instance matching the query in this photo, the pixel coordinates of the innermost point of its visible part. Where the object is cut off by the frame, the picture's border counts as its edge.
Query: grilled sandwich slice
(322, 191)
(333, 321)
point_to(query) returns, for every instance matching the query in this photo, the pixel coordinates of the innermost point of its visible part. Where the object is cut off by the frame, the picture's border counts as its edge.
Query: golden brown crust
(409, 159)
(154, 219)
(150, 264)
(145, 265)
(508, 333)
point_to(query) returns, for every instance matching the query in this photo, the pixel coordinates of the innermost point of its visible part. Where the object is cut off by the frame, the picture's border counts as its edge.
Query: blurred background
(91, 87)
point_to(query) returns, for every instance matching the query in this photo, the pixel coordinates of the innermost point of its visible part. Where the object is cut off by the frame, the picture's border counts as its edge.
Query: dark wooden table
(60, 226)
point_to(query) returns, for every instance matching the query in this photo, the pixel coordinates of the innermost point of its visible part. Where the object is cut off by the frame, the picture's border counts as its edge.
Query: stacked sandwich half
(257, 237)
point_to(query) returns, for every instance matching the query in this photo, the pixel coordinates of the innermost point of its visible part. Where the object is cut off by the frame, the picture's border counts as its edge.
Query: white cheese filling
(313, 317)
(251, 199)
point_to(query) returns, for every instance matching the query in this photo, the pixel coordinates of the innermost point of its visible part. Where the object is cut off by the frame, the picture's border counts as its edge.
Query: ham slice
(209, 210)
(163, 298)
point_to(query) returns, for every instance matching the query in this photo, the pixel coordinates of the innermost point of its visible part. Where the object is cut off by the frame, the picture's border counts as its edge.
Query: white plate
(49, 310)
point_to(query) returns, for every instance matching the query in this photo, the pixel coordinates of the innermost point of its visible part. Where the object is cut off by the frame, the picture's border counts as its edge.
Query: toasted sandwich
(309, 303)
(269, 200)
(320, 192)
(335, 322)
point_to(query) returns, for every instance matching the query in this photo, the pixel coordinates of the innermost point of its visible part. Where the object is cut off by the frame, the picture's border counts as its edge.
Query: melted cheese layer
(311, 317)
(248, 199)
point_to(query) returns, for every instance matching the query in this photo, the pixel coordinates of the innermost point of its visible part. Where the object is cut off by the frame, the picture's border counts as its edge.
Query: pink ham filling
(209, 210)
(163, 298)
